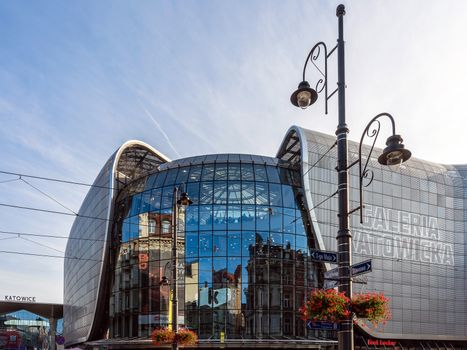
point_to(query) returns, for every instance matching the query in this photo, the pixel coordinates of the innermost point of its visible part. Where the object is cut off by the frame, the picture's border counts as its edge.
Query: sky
(79, 78)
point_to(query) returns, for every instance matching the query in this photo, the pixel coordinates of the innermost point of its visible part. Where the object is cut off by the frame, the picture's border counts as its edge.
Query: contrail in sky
(162, 131)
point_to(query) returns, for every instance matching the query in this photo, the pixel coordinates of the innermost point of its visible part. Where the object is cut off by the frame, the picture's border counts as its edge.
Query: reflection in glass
(243, 263)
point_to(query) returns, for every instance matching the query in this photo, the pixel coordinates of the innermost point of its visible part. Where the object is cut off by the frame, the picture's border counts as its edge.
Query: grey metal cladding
(414, 231)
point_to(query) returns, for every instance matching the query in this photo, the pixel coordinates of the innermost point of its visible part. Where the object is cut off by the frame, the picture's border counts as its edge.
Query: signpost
(323, 256)
(361, 268)
(331, 277)
(325, 326)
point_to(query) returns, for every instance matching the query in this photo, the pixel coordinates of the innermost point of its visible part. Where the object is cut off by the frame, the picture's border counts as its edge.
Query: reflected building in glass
(243, 246)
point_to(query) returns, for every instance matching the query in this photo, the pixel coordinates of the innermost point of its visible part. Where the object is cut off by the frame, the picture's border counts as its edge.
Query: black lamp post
(182, 201)
(393, 155)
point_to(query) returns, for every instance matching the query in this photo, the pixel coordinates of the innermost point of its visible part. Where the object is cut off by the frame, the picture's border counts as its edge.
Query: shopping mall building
(244, 264)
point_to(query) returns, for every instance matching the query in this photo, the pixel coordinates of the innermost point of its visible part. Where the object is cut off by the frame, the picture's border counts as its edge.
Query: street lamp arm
(371, 131)
(322, 83)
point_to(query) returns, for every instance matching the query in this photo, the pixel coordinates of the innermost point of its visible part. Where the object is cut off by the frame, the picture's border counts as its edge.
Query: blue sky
(79, 78)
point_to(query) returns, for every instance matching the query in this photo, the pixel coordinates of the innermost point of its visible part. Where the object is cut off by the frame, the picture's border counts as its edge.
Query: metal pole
(344, 237)
(174, 267)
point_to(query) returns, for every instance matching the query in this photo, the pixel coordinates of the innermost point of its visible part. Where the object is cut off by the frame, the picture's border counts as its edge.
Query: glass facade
(25, 330)
(243, 266)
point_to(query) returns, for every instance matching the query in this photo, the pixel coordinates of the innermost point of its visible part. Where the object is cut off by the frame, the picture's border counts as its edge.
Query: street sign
(332, 274)
(328, 326)
(330, 284)
(356, 269)
(323, 256)
(360, 268)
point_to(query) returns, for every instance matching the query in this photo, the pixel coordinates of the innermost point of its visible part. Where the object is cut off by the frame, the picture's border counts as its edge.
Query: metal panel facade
(413, 231)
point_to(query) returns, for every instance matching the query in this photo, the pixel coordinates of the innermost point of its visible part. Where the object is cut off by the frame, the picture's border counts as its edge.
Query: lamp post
(182, 201)
(393, 155)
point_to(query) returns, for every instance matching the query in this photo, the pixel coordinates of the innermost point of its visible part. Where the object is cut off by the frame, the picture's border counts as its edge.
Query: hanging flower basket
(326, 305)
(331, 306)
(372, 306)
(186, 337)
(161, 336)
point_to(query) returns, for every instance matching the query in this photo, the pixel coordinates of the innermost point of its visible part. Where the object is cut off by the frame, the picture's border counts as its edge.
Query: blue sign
(360, 268)
(323, 256)
(326, 326)
(332, 274)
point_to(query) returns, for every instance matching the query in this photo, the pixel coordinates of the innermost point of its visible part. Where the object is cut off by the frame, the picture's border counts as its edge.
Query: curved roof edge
(120, 159)
(133, 159)
(294, 148)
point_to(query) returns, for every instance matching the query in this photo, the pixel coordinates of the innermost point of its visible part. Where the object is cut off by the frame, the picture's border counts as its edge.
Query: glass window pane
(221, 172)
(247, 172)
(167, 197)
(160, 179)
(262, 218)
(219, 245)
(275, 194)
(234, 241)
(220, 192)
(262, 193)
(135, 205)
(234, 218)
(206, 192)
(299, 226)
(182, 176)
(234, 193)
(289, 220)
(273, 174)
(150, 181)
(205, 272)
(192, 189)
(300, 242)
(248, 244)
(171, 176)
(276, 219)
(205, 243)
(191, 248)
(208, 172)
(220, 217)
(145, 205)
(126, 230)
(289, 241)
(234, 266)
(260, 172)
(288, 196)
(155, 200)
(192, 218)
(205, 217)
(234, 171)
(195, 173)
(248, 217)
(248, 193)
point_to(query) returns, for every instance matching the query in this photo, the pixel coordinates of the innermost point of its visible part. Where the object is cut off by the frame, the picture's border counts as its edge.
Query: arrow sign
(323, 256)
(360, 268)
(332, 274)
(321, 325)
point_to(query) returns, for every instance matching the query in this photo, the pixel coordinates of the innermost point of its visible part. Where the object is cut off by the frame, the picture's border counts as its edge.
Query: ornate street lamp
(393, 155)
(182, 201)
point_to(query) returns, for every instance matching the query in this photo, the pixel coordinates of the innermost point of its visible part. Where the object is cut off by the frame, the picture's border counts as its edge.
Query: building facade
(244, 265)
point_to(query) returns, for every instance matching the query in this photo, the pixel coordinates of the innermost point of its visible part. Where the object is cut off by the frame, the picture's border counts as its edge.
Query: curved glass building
(244, 264)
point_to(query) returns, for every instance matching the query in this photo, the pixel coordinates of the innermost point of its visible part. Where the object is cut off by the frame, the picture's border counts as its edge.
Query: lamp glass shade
(304, 96)
(304, 99)
(395, 153)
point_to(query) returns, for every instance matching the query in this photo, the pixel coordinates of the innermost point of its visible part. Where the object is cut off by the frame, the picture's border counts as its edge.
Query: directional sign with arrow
(362, 267)
(323, 256)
